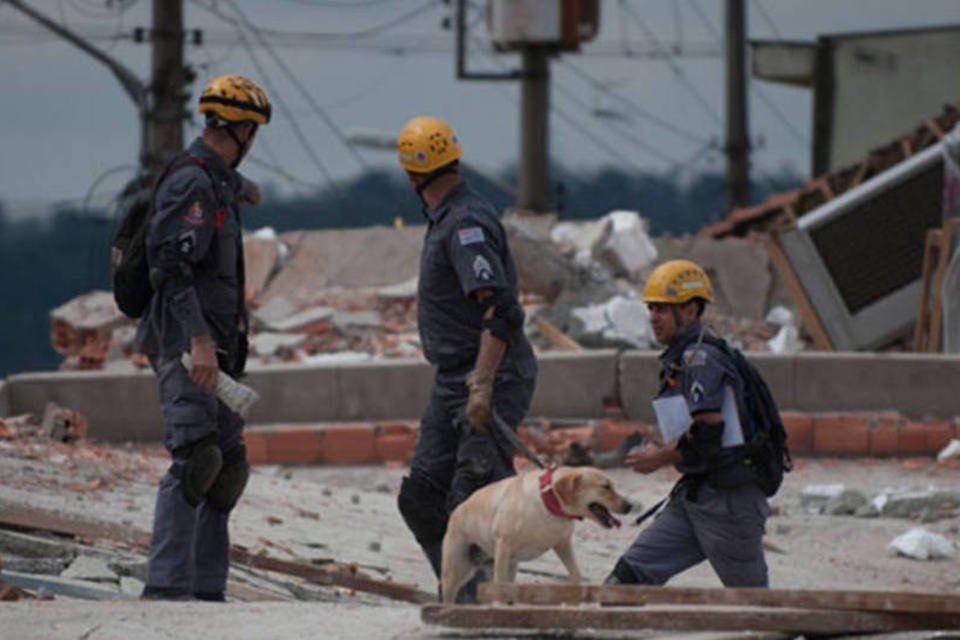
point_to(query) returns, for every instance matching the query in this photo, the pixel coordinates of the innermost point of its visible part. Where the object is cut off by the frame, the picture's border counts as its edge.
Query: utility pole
(159, 105)
(534, 183)
(169, 78)
(737, 145)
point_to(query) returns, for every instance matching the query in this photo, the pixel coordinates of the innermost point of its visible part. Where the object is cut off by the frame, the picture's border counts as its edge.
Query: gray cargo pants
(190, 546)
(723, 526)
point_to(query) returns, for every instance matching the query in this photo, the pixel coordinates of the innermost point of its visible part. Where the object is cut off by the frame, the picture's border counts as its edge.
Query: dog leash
(515, 440)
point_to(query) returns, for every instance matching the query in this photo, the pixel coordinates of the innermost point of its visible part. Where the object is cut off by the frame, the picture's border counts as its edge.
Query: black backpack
(765, 449)
(128, 254)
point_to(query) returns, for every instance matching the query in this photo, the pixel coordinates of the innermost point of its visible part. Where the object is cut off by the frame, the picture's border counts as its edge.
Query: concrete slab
(90, 568)
(778, 371)
(913, 384)
(639, 375)
(384, 390)
(295, 394)
(116, 406)
(573, 385)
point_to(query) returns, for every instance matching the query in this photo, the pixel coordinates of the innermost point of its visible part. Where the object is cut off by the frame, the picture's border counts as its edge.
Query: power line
(761, 92)
(576, 125)
(636, 108)
(767, 18)
(677, 70)
(292, 78)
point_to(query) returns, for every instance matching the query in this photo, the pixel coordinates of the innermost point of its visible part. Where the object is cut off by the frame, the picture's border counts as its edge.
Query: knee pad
(422, 508)
(231, 481)
(201, 468)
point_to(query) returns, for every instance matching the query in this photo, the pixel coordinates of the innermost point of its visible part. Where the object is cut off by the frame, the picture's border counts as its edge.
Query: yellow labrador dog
(522, 517)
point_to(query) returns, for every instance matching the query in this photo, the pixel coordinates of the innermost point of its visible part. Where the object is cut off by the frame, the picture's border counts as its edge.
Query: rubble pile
(338, 295)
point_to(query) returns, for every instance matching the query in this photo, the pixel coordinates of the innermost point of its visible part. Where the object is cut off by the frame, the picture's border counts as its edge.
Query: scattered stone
(355, 499)
(782, 529)
(62, 424)
(91, 569)
(374, 546)
(274, 520)
(952, 450)
(868, 510)
(326, 492)
(131, 586)
(268, 343)
(345, 321)
(913, 505)
(129, 569)
(844, 504)
(45, 566)
(814, 497)
(921, 544)
(383, 487)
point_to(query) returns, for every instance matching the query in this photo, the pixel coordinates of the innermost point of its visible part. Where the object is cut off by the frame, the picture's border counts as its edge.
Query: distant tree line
(46, 262)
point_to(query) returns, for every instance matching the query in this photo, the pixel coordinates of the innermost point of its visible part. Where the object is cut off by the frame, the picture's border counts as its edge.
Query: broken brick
(799, 428)
(845, 434)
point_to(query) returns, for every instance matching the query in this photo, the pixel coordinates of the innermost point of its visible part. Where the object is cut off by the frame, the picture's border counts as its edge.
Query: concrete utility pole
(167, 95)
(534, 183)
(737, 145)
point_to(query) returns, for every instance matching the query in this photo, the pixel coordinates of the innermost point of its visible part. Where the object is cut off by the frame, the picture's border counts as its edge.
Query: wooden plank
(798, 621)
(921, 328)
(811, 320)
(886, 601)
(331, 574)
(557, 338)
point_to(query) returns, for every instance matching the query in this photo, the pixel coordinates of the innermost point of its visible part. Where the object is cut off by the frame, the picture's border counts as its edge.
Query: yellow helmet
(233, 98)
(676, 282)
(427, 143)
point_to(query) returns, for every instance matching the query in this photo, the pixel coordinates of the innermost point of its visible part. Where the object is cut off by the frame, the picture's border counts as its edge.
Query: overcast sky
(69, 133)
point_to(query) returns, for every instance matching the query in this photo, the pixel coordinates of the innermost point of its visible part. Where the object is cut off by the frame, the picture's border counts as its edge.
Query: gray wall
(124, 407)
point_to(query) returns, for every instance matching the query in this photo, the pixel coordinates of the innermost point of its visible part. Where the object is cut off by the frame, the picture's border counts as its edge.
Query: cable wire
(677, 70)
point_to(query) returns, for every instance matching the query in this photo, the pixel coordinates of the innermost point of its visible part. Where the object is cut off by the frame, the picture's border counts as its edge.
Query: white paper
(732, 431)
(673, 417)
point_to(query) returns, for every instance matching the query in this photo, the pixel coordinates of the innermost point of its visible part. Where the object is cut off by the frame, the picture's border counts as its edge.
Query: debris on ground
(920, 544)
(949, 452)
(62, 424)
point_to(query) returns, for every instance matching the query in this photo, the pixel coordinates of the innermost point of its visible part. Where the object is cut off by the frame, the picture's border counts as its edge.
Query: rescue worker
(717, 511)
(471, 330)
(195, 256)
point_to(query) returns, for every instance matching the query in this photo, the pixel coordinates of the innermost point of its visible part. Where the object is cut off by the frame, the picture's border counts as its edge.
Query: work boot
(210, 596)
(172, 594)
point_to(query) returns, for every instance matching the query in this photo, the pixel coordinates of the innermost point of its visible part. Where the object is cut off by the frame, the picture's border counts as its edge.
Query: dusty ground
(349, 514)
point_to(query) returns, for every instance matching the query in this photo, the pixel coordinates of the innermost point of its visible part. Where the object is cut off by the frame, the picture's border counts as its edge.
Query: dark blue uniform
(465, 250)
(717, 511)
(195, 255)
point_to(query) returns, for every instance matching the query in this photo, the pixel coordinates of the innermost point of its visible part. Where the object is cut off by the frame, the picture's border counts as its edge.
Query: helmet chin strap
(431, 177)
(241, 146)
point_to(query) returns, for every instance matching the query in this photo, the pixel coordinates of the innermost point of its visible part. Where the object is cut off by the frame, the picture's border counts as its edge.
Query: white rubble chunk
(274, 310)
(302, 320)
(401, 290)
(581, 236)
(626, 247)
(269, 343)
(952, 450)
(920, 544)
(337, 357)
(619, 319)
(264, 233)
(814, 497)
(786, 342)
(780, 316)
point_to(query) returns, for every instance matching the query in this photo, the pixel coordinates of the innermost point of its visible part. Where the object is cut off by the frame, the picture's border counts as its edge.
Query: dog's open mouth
(603, 515)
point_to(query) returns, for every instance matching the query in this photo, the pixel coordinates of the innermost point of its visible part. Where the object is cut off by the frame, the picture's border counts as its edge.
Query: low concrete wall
(917, 385)
(571, 385)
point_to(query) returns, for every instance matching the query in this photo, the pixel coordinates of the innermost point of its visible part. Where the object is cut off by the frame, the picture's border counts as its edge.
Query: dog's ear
(566, 487)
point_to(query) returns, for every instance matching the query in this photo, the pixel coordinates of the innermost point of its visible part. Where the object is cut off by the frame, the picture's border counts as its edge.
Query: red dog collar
(550, 499)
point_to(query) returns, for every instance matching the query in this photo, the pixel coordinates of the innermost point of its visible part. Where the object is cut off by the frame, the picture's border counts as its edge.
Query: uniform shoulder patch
(695, 357)
(470, 235)
(194, 215)
(482, 269)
